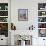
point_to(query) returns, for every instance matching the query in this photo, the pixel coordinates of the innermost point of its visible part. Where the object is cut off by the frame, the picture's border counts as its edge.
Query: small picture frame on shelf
(3, 13)
(41, 13)
(41, 19)
(41, 25)
(22, 14)
(41, 6)
(3, 19)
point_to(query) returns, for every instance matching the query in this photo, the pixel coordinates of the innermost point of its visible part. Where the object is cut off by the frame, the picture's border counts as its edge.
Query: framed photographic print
(23, 14)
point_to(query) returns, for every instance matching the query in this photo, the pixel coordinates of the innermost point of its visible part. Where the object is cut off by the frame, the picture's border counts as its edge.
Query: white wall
(32, 13)
(32, 6)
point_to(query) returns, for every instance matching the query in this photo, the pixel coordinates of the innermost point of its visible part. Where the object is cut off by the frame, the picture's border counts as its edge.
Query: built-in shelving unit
(4, 19)
(42, 19)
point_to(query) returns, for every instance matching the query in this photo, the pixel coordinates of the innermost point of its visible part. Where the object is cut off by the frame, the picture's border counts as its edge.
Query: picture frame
(22, 14)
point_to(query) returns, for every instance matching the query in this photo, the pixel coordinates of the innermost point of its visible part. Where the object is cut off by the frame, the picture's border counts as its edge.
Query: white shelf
(3, 22)
(42, 16)
(41, 22)
(3, 16)
(3, 10)
(41, 28)
(41, 10)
